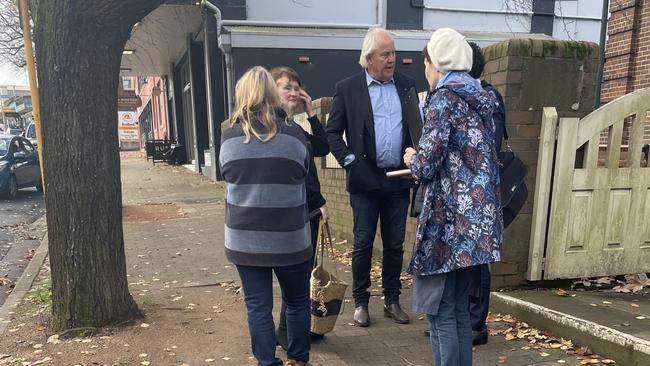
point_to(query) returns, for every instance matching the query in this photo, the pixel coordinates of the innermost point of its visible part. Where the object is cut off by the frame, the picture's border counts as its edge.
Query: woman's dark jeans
(257, 283)
(281, 333)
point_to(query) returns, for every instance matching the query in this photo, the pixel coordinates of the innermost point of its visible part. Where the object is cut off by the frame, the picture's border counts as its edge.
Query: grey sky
(8, 76)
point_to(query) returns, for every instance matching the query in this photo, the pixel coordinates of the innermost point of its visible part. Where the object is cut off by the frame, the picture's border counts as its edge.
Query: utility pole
(2, 110)
(33, 87)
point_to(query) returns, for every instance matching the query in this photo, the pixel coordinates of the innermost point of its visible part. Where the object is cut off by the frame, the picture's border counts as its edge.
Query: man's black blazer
(351, 113)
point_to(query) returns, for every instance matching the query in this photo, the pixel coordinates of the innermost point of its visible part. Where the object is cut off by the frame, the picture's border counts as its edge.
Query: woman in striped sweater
(264, 161)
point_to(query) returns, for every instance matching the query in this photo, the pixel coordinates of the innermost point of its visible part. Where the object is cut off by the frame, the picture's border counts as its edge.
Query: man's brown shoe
(297, 363)
(361, 316)
(395, 312)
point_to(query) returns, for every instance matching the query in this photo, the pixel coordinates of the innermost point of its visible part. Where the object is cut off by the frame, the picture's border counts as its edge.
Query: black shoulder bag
(512, 173)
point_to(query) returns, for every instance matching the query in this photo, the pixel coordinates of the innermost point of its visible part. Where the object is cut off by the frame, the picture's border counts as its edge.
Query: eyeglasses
(386, 55)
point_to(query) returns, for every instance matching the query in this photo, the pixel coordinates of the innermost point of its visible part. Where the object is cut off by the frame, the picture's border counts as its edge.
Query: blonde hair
(370, 44)
(256, 98)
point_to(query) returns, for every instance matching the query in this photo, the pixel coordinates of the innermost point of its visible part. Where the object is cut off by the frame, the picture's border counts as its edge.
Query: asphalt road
(17, 238)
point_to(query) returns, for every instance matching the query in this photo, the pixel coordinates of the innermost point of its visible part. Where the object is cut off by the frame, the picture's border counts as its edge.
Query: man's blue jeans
(257, 283)
(390, 208)
(451, 331)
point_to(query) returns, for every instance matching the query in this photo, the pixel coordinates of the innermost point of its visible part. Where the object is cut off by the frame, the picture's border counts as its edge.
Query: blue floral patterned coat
(461, 221)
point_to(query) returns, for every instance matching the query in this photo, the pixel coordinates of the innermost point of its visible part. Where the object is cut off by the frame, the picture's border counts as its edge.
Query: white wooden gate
(591, 210)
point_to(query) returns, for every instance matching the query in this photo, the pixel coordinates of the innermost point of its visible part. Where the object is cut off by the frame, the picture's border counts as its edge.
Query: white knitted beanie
(449, 51)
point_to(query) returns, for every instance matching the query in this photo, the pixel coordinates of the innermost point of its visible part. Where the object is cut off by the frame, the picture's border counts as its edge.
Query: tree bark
(79, 46)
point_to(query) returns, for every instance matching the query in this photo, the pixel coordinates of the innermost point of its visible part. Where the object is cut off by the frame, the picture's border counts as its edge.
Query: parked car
(30, 134)
(15, 131)
(19, 167)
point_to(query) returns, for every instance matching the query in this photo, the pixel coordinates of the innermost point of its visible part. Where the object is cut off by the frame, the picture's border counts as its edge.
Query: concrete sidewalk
(174, 238)
(615, 324)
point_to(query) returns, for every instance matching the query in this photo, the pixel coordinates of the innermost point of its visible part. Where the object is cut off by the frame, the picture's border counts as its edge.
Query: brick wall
(531, 74)
(627, 53)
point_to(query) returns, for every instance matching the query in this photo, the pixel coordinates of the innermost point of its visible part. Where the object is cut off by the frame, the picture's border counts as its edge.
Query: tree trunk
(79, 46)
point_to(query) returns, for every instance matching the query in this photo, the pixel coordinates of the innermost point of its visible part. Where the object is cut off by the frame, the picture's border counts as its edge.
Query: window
(128, 83)
(4, 146)
(31, 131)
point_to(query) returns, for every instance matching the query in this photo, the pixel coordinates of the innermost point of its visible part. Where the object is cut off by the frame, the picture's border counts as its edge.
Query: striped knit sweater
(267, 220)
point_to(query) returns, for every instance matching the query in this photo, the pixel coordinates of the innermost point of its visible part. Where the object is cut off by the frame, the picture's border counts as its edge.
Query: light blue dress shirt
(387, 115)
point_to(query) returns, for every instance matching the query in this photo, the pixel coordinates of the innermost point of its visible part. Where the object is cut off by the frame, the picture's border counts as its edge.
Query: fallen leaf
(583, 351)
(561, 292)
(590, 361)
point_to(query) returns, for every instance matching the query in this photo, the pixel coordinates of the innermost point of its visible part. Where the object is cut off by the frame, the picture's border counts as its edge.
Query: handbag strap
(324, 243)
(319, 245)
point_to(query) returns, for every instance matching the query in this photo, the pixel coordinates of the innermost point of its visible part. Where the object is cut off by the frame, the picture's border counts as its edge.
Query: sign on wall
(127, 126)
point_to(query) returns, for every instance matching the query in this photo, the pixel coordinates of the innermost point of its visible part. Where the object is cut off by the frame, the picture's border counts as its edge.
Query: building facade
(627, 53)
(152, 114)
(15, 107)
(200, 49)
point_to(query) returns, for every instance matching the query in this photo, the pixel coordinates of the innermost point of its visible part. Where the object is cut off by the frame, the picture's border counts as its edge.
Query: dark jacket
(318, 147)
(499, 115)
(351, 113)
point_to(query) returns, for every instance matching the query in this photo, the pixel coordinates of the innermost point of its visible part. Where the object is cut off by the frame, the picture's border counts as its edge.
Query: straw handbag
(327, 292)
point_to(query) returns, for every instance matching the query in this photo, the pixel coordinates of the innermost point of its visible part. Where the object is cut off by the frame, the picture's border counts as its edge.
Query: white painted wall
(584, 28)
(315, 11)
(476, 15)
(575, 19)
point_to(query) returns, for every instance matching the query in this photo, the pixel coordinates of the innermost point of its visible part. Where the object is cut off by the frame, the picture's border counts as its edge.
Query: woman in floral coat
(461, 224)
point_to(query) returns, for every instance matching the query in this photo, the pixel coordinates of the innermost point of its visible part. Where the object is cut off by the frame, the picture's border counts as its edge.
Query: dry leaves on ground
(561, 292)
(343, 255)
(513, 329)
(634, 283)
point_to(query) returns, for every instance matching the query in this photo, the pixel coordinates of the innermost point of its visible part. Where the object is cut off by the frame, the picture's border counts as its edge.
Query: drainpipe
(601, 55)
(225, 47)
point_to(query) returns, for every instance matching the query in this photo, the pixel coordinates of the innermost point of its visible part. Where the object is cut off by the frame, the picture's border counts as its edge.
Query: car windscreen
(31, 132)
(4, 146)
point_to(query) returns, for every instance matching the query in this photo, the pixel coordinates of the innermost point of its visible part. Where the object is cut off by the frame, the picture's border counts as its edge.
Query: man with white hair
(367, 107)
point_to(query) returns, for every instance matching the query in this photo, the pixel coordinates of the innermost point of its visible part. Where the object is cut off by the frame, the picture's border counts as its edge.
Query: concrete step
(612, 324)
